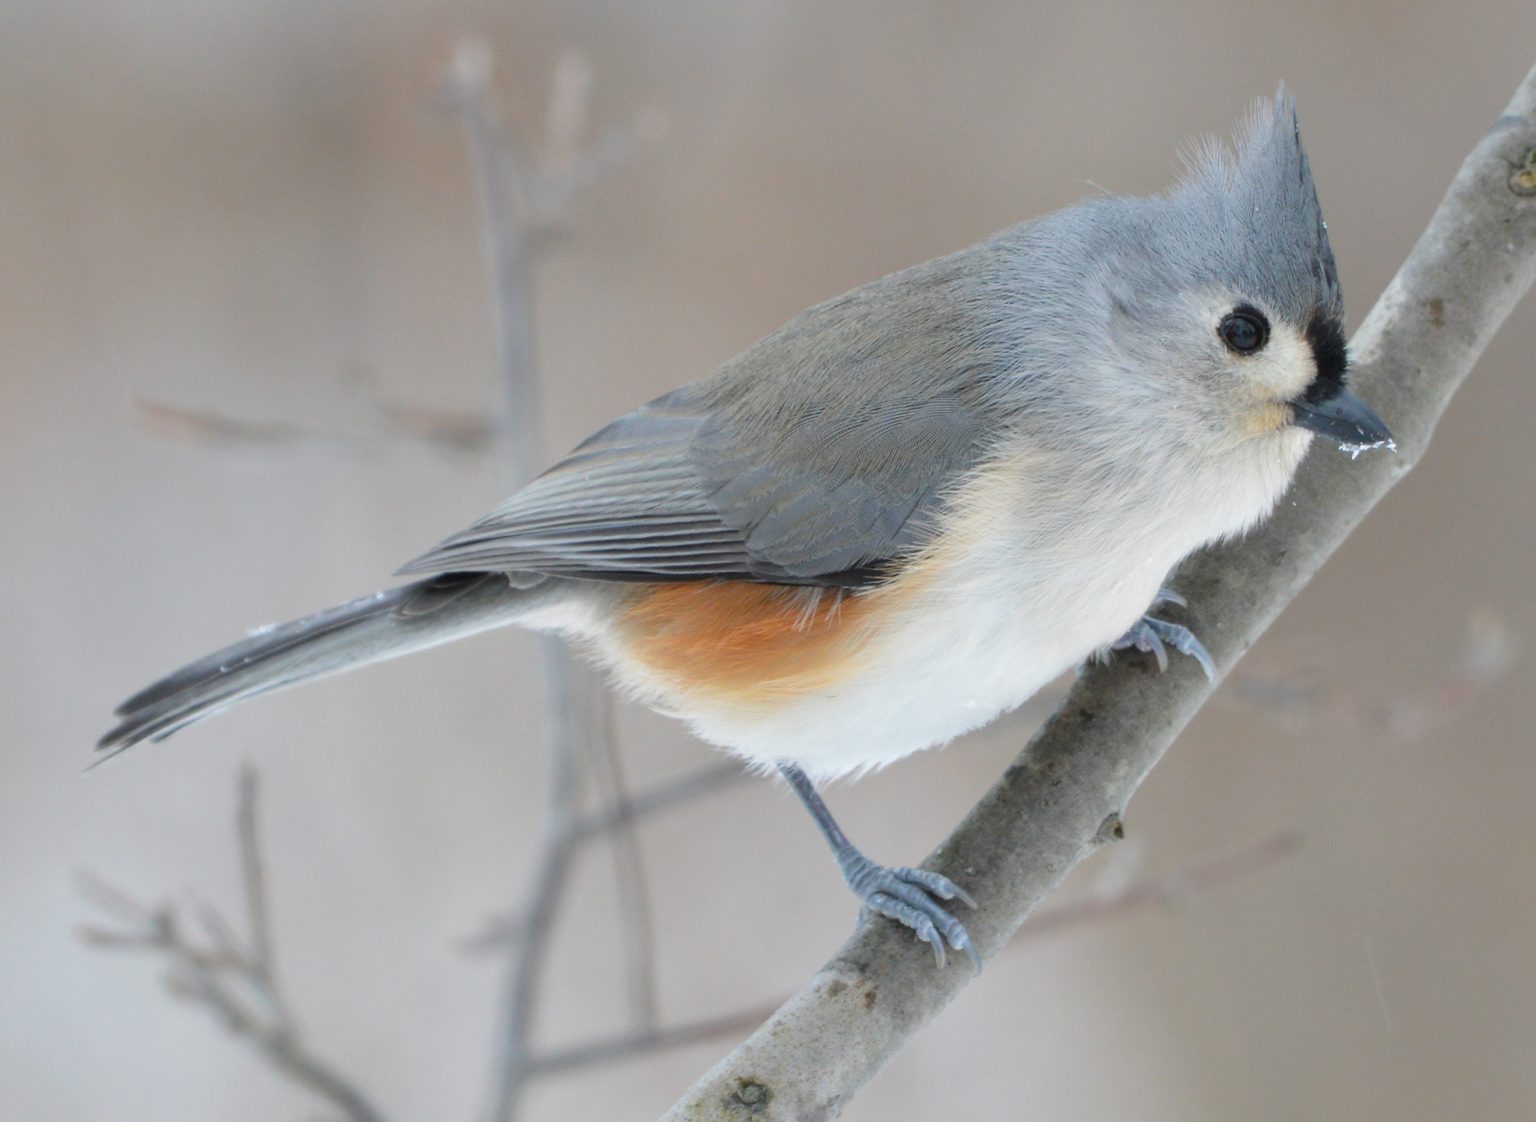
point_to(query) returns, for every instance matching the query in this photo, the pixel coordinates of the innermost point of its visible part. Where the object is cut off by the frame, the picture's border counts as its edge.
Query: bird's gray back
(818, 456)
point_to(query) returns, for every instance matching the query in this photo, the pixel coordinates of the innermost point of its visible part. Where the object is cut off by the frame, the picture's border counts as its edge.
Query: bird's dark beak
(1343, 417)
(1327, 408)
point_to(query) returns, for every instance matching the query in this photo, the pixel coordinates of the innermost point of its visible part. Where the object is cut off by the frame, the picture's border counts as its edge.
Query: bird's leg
(909, 896)
(1154, 636)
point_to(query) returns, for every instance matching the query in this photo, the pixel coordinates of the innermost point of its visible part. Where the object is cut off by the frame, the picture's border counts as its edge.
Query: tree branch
(1311, 691)
(505, 189)
(521, 196)
(394, 425)
(1165, 890)
(1170, 888)
(628, 875)
(239, 985)
(1474, 261)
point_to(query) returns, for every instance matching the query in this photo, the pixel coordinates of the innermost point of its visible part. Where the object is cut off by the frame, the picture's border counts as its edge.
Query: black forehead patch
(1325, 335)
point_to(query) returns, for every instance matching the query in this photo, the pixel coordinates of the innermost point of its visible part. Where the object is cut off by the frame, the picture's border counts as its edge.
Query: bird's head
(1227, 287)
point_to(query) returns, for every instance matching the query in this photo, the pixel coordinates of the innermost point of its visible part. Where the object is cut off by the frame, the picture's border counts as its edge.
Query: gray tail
(361, 631)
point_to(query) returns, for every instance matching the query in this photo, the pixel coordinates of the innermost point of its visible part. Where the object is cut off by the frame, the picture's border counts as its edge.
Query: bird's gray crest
(1251, 215)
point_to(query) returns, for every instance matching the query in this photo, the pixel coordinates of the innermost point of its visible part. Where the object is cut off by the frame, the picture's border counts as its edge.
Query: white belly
(1017, 594)
(951, 663)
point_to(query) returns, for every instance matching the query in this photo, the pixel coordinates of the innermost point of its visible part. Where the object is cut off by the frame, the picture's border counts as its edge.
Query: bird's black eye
(1244, 329)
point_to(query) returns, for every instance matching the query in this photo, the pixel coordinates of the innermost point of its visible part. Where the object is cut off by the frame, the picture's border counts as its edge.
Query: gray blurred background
(251, 210)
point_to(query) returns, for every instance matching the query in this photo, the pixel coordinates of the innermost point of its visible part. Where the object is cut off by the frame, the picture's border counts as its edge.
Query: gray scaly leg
(906, 895)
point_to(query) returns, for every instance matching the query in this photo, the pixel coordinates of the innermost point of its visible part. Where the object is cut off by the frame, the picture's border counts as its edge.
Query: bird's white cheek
(1283, 369)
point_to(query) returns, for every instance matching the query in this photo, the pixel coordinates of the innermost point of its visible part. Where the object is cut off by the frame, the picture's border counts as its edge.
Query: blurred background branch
(394, 425)
(234, 977)
(525, 194)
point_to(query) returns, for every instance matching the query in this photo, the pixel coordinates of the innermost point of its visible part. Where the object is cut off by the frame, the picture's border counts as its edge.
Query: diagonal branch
(1165, 890)
(1474, 262)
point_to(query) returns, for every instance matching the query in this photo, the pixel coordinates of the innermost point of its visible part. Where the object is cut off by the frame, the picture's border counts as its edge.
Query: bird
(906, 510)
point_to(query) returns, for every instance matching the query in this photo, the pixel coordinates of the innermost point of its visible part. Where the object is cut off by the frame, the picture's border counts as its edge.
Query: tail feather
(370, 629)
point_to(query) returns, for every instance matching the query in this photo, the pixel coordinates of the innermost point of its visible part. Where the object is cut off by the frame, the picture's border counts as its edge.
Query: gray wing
(816, 457)
(628, 503)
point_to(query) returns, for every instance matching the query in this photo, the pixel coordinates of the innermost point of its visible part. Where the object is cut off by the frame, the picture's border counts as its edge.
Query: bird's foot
(911, 897)
(1154, 636)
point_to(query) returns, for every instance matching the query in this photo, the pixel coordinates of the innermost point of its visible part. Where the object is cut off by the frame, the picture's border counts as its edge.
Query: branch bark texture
(1064, 793)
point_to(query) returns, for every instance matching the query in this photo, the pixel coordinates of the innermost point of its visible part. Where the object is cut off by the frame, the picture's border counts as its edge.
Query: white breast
(1025, 583)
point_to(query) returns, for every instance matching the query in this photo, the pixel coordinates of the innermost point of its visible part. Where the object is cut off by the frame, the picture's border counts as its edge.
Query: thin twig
(254, 876)
(1165, 890)
(196, 970)
(705, 780)
(498, 172)
(505, 185)
(1474, 262)
(460, 433)
(1170, 888)
(526, 963)
(517, 202)
(1313, 692)
(628, 872)
(565, 123)
(645, 1042)
(238, 984)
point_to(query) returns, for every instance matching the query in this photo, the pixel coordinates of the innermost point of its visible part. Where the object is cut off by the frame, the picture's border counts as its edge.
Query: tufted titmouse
(912, 506)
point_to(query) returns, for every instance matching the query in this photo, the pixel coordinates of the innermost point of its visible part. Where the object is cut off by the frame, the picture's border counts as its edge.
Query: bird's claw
(1154, 636)
(912, 897)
